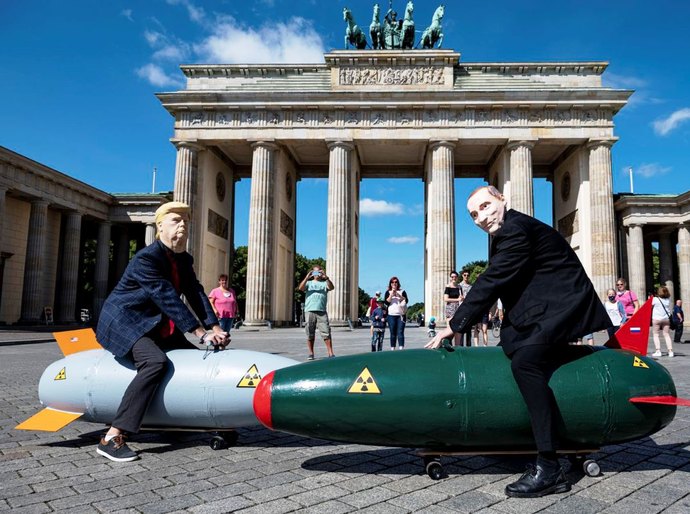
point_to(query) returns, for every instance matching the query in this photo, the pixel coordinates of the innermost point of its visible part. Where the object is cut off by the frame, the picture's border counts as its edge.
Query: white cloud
(404, 240)
(664, 126)
(641, 96)
(369, 207)
(616, 81)
(155, 75)
(171, 53)
(196, 14)
(127, 13)
(648, 170)
(165, 49)
(294, 41)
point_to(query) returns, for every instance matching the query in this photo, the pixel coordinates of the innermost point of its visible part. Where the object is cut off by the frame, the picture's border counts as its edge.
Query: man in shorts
(316, 286)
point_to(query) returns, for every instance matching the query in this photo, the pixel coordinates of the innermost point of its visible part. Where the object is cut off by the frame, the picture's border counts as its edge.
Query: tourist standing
(224, 302)
(452, 298)
(629, 299)
(679, 318)
(661, 322)
(396, 301)
(316, 286)
(615, 310)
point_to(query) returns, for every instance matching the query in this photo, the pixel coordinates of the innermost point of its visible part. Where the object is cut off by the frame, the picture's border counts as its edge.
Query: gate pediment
(410, 70)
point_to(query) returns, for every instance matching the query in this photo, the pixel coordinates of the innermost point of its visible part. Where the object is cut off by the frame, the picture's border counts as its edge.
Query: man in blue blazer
(144, 316)
(549, 301)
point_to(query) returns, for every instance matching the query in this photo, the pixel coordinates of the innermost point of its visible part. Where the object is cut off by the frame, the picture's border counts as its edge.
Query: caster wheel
(230, 437)
(434, 469)
(218, 443)
(591, 468)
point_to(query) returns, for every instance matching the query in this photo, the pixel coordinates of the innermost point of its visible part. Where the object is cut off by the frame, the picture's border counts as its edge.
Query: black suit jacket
(547, 296)
(146, 292)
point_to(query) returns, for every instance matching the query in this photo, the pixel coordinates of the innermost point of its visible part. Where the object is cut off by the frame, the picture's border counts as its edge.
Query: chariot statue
(434, 33)
(392, 33)
(353, 34)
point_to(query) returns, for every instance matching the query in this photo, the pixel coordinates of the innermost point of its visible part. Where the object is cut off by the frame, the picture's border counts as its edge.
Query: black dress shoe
(539, 481)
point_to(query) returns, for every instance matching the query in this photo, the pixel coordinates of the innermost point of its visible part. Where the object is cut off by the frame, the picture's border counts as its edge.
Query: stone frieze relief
(462, 117)
(398, 76)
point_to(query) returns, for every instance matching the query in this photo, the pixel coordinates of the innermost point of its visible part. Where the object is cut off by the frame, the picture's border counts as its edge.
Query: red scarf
(168, 325)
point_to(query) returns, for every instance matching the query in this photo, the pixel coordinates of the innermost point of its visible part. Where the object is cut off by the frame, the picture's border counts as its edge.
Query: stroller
(432, 327)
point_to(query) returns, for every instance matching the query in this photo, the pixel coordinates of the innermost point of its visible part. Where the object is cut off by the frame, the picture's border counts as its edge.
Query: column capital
(346, 144)
(517, 143)
(596, 142)
(447, 143)
(192, 145)
(268, 144)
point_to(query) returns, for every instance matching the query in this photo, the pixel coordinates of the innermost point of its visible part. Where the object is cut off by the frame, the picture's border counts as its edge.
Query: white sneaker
(656, 354)
(670, 354)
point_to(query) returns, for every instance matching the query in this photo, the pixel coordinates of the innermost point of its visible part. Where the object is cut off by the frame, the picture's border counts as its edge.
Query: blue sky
(78, 79)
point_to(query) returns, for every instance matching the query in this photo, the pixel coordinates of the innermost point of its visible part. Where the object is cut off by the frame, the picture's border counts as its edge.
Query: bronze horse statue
(433, 33)
(353, 34)
(375, 30)
(408, 27)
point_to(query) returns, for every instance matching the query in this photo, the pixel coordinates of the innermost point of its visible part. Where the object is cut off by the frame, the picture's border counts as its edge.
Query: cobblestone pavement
(269, 472)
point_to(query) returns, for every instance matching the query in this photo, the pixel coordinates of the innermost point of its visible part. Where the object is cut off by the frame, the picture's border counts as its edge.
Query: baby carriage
(432, 327)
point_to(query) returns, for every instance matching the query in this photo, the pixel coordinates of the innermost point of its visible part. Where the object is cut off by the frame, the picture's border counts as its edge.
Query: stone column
(684, 268)
(666, 263)
(69, 275)
(261, 235)
(440, 226)
(102, 264)
(636, 280)
(32, 294)
(186, 184)
(339, 262)
(603, 224)
(3, 194)
(121, 252)
(521, 197)
(150, 234)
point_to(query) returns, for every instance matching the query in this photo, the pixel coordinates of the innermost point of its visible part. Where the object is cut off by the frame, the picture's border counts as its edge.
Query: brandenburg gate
(388, 114)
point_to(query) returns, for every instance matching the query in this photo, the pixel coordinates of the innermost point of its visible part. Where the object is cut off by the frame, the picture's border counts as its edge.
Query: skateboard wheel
(591, 468)
(434, 469)
(218, 443)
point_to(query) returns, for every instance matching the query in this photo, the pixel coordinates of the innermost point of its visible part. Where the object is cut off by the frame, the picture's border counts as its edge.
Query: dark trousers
(532, 367)
(396, 326)
(678, 335)
(148, 355)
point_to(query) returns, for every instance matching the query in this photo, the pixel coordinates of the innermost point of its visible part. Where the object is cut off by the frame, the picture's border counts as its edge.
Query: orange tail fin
(634, 333)
(73, 341)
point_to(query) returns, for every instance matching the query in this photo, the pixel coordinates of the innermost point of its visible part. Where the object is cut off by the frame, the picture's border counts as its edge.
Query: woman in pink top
(224, 303)
(629, 299)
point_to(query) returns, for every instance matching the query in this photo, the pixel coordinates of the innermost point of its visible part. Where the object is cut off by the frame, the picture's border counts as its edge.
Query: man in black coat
(549, 301)
(144, 316)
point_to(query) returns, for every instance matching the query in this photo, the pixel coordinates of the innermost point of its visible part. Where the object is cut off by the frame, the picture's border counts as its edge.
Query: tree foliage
(475, 268)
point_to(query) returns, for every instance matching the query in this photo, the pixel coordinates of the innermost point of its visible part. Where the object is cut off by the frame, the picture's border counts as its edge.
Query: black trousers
(678, 335)
(532, 367)
(148, 355)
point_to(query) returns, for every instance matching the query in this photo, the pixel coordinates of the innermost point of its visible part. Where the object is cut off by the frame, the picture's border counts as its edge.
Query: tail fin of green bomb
(634, 333)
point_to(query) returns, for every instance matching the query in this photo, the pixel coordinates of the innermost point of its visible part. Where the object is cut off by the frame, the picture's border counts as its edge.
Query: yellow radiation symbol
(639, 363)
(62, 375)
(251, 378)
(364, 384)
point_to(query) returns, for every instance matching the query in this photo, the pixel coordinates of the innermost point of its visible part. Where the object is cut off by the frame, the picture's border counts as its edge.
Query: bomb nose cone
(262, 400)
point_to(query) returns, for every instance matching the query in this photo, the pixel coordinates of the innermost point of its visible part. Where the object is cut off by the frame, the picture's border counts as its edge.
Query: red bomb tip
(262, 400)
